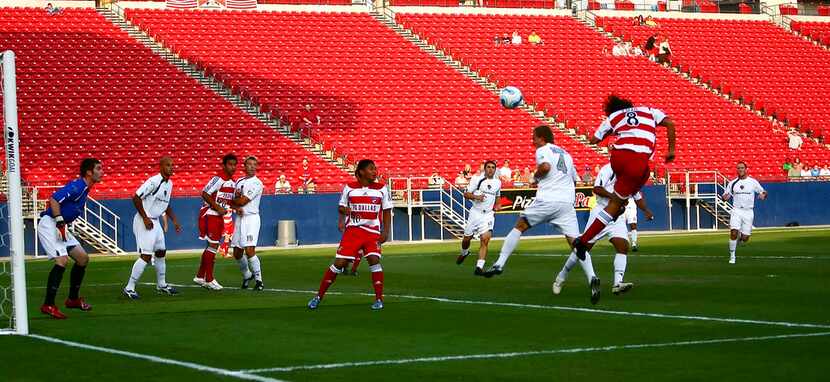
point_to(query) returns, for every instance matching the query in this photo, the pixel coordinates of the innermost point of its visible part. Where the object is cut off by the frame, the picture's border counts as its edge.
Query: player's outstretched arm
(387, 222)
(672, 137)
(173, 217)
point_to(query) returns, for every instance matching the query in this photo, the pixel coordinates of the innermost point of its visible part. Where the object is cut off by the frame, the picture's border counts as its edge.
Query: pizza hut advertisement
(516, 200)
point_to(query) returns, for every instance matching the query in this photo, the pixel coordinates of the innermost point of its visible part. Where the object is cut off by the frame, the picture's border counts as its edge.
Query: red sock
(603, 219)
(377, 283)
(355, 264)
(328, 279)
(202, 267)
(208, 258)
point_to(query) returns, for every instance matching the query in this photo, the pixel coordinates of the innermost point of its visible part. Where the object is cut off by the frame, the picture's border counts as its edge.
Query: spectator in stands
(461, 181)
(649, 22)
(815, 171)
(587, 178)
(596, 170)
(516, 39)
(638, 20)
(534, 38)
(505, 173)
(664, 49)
(52, 10)
(825, 171)
(282, 186)
(306, 178)
(480, 171)
(795, 140)
(787, 166)
(805, 171)
(309, 118)
(517, 179)
(635, 51)
(435, 180)
(505, 39)
(795, 170)
(468, 172)
(496, 40)
(619, 50)
(650, 47)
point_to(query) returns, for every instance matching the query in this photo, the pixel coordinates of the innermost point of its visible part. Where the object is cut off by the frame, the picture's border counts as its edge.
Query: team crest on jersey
(489, 186)
(742, 186)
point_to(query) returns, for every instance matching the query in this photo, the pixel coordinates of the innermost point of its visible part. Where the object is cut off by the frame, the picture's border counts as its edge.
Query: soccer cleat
(52, 311)
(460, 258)
(378, 305)
(732, 260)
(479, 272)
(580, 248)
(77, 303)
(621, 288)
(493, 271)
(635, 248)
(168, 290)
(259, 286)
(199, 281)
(131, 294)
(595, 290)
(246, 282)
(314, 302)
(557, 285)
(213, 285)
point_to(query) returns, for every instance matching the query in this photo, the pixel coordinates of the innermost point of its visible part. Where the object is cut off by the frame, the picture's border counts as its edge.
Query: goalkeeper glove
(61, 226)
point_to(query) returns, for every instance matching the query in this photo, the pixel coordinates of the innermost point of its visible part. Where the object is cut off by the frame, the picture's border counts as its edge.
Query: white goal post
(18, 316)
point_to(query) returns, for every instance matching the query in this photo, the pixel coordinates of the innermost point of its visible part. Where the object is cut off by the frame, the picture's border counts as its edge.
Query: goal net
(13, 315)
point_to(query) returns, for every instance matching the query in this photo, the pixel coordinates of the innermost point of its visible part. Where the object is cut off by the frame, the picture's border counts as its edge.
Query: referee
(57, 241)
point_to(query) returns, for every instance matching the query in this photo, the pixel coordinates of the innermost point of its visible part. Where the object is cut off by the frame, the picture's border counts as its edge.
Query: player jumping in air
(636, 128)
(152, 201)
(57, 241)
(365, 218)
(742, 191)
(217, 195)
(484, 191)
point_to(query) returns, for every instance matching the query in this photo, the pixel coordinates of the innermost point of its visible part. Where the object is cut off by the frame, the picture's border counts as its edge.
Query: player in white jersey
(152, 201)
(484, 191)
(246, 222)
(631, 221)
(616, 232)
(554, 203)
(742, 191)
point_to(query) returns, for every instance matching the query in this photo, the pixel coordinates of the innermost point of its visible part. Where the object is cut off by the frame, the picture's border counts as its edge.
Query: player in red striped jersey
(635, 128)
(365, 218)
(217, 195)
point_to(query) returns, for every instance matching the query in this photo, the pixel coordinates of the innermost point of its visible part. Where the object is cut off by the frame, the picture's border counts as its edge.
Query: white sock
(161, 271)
(633, 235)
(465, 252)
(138, 269)
(243, 267)
(570, 263)
(588, 267)
(254, 261)
(510, 243)
(732, 245)
(480, 264)
(620, 261)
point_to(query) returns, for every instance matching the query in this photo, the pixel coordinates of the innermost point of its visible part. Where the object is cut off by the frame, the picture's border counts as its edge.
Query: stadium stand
(86, 88)
(379, 95)
(816, 31)
(763, 65)
(571, 74)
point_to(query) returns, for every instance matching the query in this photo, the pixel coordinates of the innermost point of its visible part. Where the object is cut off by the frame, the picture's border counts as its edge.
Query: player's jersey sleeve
(544, 155)
(472, 185)
(147, 188)
(344, 197)
(658, 115)
(728, 190)
(498, 189)
(70, 191)
(569, 162)
(758, 187)
(253, 190)
(213, 185)
(603, 129)
(386, 199)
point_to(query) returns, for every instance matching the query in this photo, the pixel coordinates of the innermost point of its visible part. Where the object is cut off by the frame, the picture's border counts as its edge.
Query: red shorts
(211, 227)
(357, 239)
(631, 170)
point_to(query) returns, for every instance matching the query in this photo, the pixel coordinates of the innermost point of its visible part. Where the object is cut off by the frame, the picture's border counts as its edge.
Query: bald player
(151, 201)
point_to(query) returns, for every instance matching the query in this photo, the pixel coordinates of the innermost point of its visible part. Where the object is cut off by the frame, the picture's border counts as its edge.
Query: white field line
(466, 357)
(190, 365)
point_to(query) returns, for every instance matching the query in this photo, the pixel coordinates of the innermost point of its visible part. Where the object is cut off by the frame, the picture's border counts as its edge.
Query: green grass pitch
(690, 317)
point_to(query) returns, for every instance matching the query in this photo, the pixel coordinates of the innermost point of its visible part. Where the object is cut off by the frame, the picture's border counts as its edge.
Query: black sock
(75, 279)
(53, 284)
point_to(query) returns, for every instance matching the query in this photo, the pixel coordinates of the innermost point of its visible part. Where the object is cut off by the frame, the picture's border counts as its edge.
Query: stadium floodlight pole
(15, 202)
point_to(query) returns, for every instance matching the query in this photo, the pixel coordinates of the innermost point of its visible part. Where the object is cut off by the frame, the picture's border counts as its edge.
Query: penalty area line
(467, 357)
(167, 361)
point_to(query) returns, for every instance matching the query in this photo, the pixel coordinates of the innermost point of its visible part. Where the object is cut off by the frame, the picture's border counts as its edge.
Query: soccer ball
(511, 97)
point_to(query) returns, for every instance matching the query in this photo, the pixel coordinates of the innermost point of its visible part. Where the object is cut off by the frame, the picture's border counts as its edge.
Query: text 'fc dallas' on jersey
(366, 205)
(222, 189)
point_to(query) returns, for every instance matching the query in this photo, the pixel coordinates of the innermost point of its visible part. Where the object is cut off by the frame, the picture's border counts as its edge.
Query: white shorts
(630, 216)
(559, 214)
(148, 241)
(53, 245)
(246, 231)
(741, 220)
(479, 222)
(617, 229)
